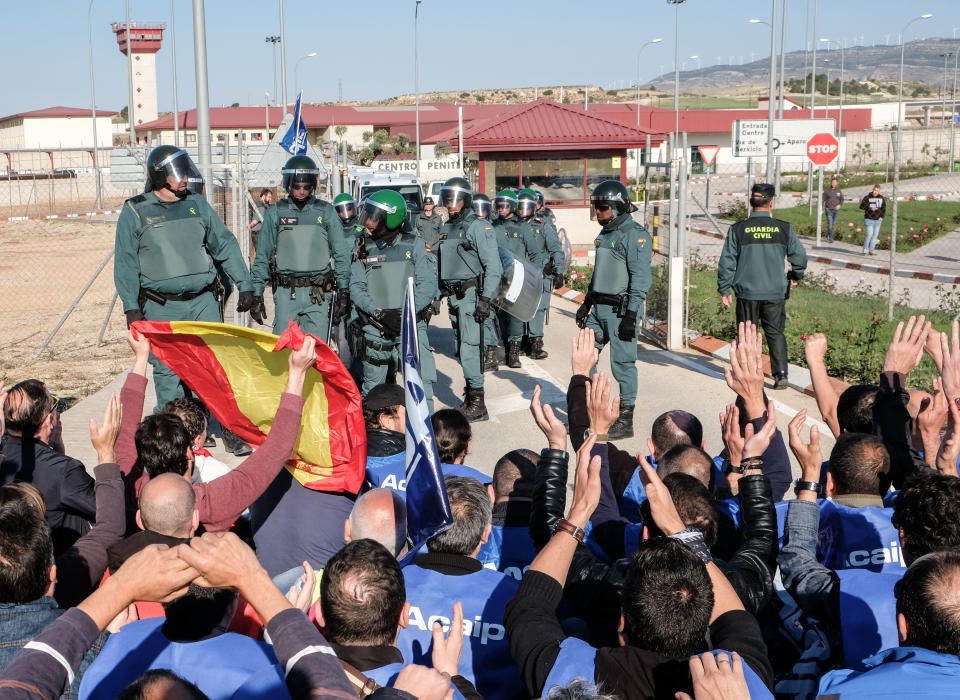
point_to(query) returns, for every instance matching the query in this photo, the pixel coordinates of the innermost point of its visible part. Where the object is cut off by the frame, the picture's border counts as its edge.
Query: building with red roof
(56, 127)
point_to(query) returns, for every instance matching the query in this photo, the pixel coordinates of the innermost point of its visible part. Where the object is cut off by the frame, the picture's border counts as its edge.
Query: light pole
(173, 72)
(896, 164)
(296, 70)
(943, 109)
(771, 94)
(274, 40)
(266, 115)
(416, 82)
(676, 68)
(93, 107)
(840, 116)
(953, 111)
(283, 59)
(640, 51)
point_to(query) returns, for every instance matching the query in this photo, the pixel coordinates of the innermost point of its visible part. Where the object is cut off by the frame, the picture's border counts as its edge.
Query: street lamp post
(283, 59)
(266, 115)
(953, 111)
(943, 108)
(274, 40)
(840, 116)
(93, 108)
(416, 82)
(640, 51)
(771, 95)
(296, 70)
(173, 71)
(696, 58)
(896, 165)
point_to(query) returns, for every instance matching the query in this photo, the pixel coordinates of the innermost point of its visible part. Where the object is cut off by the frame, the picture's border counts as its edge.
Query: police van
(365, 181)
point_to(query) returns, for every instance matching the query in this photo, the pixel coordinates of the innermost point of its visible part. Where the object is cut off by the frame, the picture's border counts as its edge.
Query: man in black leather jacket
(384, 413)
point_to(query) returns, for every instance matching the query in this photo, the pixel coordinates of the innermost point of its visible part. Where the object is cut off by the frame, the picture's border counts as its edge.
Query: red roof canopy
(547, 125)
(55, 112)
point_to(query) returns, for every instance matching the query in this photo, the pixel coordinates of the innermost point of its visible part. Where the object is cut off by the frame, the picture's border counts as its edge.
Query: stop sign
(822, 149)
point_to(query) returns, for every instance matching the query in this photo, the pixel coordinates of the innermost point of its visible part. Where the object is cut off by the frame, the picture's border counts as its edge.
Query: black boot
(513, 354)
(234, 445)
(490, 361)
(623, 426)
(536, 349)
(474, 408)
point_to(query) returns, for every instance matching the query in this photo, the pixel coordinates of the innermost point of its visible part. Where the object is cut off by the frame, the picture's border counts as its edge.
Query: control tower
(145, 41)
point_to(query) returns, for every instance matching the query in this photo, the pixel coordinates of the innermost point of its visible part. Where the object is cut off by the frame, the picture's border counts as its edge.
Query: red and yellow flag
(239, 374)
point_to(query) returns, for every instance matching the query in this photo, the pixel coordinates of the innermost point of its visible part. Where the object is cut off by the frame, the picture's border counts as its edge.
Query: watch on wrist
(801, 485)
(693, 540)
(730, 469)
(601, 437)
(564, 525)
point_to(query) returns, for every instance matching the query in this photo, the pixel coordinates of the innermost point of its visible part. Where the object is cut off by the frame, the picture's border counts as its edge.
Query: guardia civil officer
(346, 207)
(543, 211)
(384, 258)
(547, 255)
(429, 222)
(621, 278)
(482, 206)
(168, 241)
(470, 271)
(492, 335)
(751, 266)
(517, 237)
(302, 253)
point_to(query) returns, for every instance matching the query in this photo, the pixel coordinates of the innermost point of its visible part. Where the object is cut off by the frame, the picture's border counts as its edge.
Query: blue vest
(635, 493)
(486, 659)
(387, 676)
(577, 659)
(509, 550)
(868, 613)
(901, 672)
(390, 472)
(219, 666)
(853, 538)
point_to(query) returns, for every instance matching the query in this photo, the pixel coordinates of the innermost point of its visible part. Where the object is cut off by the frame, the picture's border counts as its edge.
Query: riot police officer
(547, 255)
(470, 271)
(621, 278)
(428, 223)
(384, 258)
(543, 211)
(517, 237)
(298, 238)
(168, 243)
(346, 208)
(482, 206)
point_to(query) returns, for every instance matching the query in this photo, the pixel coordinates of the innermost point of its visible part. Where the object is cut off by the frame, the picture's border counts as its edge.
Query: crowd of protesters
(696, 570)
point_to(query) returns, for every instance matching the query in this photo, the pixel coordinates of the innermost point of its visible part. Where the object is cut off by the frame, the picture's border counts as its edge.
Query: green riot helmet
(540, 200)
(300, 170)
(481, 205)
(346, 207)
(454, 191)
(383, 213)
(505, 203)
(526, 203)
(171, 162)
(611, 193)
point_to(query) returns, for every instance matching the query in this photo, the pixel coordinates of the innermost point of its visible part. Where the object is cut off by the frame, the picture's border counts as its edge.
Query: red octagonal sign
(823, 149)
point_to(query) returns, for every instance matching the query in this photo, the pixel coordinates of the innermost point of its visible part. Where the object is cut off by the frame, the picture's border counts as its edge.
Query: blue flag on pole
(294, 141)
(428, 510)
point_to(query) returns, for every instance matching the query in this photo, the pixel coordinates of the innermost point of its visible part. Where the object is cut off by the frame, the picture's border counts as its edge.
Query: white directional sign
(790, 136)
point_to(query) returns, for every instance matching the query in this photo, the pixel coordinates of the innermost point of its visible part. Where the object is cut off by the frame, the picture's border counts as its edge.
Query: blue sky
(368, 44)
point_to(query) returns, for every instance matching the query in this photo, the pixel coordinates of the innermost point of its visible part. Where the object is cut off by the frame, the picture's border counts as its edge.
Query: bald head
(379, 515)
(929, 602)
(168, 506)
(687, 459)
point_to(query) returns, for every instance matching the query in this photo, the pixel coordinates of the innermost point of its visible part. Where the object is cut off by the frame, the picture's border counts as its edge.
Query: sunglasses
(602, 207)
(302, 187)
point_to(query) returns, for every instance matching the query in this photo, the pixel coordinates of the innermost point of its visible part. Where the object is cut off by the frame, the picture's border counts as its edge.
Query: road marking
(552, 391)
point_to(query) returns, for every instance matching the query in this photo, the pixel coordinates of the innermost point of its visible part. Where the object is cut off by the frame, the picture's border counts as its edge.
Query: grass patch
(798, 183)
(856, 326)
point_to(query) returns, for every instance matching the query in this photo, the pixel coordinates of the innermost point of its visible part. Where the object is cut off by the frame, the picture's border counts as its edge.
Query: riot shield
(521, 287)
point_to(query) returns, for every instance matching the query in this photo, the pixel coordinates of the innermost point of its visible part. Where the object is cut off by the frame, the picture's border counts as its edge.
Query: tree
(124, 114)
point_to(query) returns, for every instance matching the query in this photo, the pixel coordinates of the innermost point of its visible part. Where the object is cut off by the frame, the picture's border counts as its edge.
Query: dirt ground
(43, 266)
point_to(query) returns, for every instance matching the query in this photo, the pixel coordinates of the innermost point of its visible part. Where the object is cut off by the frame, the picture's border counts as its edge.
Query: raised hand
(103, 438)
(586, 488)
(755, 444)
(662, 507)
(600, 408)
(807, 453)
(446, 650)
(906, 348)
(554, 430)
(745, 374)
(583, 355)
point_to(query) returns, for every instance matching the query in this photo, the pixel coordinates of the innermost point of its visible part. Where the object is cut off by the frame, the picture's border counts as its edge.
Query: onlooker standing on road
(751, 266)
(256, 217)
(832, 200)
(874, 207)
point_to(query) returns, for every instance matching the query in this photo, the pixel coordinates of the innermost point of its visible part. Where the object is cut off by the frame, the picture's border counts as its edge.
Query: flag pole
(416, 338)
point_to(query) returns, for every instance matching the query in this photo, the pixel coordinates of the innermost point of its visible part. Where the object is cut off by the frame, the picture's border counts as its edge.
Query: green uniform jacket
(428, 227)
(544, 228)
(522, 240)
(637, 255)
(220, 243)
(480, 233)
(267, 243)
(751, 263)
(424, 271)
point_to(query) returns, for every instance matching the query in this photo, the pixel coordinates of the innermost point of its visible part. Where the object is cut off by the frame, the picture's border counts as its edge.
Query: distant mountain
(922, 64)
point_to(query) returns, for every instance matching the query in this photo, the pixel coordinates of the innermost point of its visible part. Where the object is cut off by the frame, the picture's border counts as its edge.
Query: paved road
(668, 380)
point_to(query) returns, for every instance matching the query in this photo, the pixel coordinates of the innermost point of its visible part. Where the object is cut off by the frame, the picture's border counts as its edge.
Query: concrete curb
(49, 217)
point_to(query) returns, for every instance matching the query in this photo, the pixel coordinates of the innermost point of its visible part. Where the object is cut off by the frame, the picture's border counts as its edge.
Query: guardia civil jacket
(752, 262)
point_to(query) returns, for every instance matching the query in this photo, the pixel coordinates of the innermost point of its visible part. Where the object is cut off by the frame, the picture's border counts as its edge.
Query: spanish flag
(239, 374)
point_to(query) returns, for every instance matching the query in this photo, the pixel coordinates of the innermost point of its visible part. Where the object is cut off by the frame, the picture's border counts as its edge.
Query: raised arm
(815, 348)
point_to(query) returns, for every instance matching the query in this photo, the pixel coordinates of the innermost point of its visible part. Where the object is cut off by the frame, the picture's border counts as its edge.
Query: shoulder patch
(138, 199)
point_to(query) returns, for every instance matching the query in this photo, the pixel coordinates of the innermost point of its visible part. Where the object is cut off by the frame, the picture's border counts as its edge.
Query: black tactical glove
(425, 314)
(133, 315)
(245, 301)
(557, 281)
(628, 327)
(343, 304)
(549, 269)
(258, 312)
(481, 311)
(582, 314)
(391, 320)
